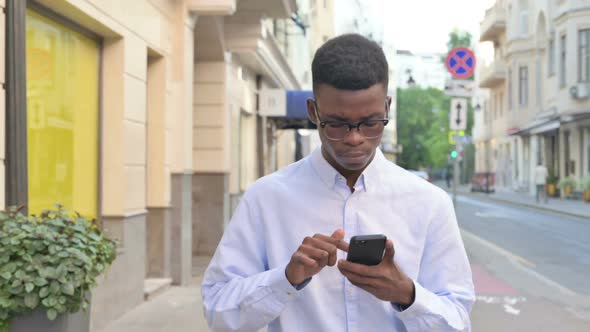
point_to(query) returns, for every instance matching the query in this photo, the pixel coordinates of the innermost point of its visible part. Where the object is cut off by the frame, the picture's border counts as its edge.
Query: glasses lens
(372, 129)
(336, 130)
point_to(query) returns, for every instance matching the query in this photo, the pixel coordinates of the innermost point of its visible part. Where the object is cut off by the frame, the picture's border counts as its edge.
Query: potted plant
(585, 185)
(551, 184)
(567, 186)
(48, 265)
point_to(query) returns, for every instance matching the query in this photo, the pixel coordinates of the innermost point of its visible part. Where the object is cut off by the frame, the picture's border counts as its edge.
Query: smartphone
(366, 249)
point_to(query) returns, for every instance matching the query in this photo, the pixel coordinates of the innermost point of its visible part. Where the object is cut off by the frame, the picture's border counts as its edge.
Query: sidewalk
(178, 309)
(576, 208)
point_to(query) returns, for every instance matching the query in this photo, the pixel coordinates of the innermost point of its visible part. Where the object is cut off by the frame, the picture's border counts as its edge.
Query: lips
(354, 157)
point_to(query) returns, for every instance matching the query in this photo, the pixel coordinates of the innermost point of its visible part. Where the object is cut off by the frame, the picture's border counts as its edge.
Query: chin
(354, 166)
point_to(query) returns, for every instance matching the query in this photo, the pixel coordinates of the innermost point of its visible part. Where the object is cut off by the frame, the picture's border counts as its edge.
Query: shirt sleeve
(239, 292)
(444, 287)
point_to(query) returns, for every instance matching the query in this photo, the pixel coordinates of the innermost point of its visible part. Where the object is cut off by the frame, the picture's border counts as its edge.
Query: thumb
(389, 252)
(338, 234)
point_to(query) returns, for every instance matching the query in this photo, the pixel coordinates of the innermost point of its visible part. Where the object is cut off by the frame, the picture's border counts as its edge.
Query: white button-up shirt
(245, 287)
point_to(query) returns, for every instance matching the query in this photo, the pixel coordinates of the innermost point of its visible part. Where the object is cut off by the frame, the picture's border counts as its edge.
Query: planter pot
(567, 191)
(37, 321)
(551, 190)
(587, 195)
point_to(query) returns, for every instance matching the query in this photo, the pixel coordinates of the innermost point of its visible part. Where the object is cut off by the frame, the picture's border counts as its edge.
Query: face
(354, 152)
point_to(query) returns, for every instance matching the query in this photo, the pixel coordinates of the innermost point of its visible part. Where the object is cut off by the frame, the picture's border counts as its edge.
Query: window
(538, 83)
(523, 86)
(524, 23)
(551, 57)
(584, 55)
(523, 17)
(562, 59)
(510, 89)
(62, 116)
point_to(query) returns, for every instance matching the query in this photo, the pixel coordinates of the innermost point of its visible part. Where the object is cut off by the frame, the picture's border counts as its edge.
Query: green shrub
(49, 261)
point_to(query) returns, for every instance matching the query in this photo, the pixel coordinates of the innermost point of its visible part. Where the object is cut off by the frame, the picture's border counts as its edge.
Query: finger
(338, 234)
(304, 260)
(321, 244)
(357, 280)
(319, 255)
(339, 243)
(360, 269)
(389, 252)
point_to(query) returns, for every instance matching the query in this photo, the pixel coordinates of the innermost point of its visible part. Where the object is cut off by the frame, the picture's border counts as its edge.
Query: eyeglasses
(337, 130)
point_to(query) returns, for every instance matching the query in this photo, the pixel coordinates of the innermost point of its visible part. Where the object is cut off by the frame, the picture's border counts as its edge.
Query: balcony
(270, 8)
(211, 7)
(492, 75)
(493, 24)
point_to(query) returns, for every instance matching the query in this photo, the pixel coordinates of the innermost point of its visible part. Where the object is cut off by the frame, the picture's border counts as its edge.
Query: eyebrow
(338, 118)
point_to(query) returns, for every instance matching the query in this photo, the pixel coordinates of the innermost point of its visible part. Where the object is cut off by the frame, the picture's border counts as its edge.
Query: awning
(550, 125)
(538, 127)
(297, 103)
(286, 108)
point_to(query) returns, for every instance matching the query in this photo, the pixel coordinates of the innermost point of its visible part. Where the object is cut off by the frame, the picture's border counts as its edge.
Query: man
(540, 181)
(281, 261)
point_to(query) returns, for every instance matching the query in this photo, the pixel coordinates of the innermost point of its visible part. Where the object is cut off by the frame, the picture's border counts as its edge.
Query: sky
(423, 25)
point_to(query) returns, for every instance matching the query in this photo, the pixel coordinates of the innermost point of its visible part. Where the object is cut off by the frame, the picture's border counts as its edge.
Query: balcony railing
(492, 75)
(494, 23)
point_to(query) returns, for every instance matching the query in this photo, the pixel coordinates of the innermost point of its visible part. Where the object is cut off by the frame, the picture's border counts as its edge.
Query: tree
(417, 115)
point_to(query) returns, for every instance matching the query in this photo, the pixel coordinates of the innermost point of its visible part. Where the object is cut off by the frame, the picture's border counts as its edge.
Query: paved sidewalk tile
(179, 309)
(576, 208)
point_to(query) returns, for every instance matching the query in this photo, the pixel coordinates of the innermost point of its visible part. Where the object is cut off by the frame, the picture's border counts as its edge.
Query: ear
(311, 113)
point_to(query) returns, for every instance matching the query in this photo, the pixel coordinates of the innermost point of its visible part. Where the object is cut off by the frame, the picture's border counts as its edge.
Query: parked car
(421, 174)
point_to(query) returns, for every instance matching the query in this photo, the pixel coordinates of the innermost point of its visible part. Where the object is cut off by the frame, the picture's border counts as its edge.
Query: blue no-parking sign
(460, 62)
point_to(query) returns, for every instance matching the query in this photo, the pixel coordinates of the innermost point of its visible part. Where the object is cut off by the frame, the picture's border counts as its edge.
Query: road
(531, 268)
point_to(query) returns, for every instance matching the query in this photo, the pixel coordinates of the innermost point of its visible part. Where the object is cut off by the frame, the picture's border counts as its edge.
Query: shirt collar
(330, 175)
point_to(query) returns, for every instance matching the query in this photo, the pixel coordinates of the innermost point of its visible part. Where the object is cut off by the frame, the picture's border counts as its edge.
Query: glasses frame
(349, 125)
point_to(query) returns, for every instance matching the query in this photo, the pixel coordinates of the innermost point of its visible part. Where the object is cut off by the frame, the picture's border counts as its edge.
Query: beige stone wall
(2, 104)
(285, 147)
(243, 153)
(211, 130)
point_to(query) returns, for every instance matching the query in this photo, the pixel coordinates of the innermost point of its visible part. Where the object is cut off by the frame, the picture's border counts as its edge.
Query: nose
(354, 137)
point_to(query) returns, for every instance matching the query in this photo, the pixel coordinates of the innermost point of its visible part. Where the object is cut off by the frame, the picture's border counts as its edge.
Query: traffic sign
(458, 114)
(454, 136)
(460, 62)
(459, 88)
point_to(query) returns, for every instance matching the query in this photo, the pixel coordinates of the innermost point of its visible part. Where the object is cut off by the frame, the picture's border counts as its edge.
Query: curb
(572, 214)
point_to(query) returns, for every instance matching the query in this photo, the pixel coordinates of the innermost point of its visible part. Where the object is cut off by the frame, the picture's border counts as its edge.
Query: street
(530, 267)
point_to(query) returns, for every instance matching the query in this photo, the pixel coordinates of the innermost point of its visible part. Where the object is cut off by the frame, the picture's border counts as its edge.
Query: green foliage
(423, 127)
(552, 178)
(50, 261)
(585, 183)
(567, 181)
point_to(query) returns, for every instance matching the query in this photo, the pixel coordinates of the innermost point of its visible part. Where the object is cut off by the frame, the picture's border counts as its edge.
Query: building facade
(143, 114)
(539, 105)
(424, 70)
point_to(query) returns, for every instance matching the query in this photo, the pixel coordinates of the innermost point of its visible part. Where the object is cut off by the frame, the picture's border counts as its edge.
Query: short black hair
(350, 62)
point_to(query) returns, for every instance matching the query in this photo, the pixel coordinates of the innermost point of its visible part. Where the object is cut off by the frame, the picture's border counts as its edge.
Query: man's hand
(313, 254)
(385, 281)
